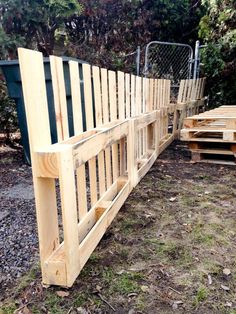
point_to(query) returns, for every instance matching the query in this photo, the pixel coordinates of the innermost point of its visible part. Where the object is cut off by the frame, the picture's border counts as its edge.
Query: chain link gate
(169, 61)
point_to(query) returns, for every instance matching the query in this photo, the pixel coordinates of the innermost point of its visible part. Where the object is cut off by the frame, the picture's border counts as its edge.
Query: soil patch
(171, 249)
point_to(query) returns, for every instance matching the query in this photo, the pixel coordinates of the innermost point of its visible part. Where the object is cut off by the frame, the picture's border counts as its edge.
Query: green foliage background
(104, 31)
(218, 31)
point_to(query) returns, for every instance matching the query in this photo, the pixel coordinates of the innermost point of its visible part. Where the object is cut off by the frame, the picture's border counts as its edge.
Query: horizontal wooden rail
(85, 178)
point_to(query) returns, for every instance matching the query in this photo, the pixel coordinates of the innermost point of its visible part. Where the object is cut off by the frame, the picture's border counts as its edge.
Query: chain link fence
(131, 62)
(171, 61)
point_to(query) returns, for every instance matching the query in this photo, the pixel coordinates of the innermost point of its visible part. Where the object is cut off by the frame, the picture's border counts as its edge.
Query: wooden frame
(127, 127)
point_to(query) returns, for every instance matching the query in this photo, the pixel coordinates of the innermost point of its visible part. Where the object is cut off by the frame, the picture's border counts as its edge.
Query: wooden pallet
(217, 125)
(213, 152)
(127, 127)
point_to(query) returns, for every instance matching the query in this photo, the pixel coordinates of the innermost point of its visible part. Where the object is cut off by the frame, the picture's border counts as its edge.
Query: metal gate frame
(197, 59)
(169, 44)
(190, 62)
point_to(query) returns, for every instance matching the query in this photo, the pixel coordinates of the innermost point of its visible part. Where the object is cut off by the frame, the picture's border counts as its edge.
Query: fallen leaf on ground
(98, 288)
(176, 304)
(81, 310)
(225, 288)
(122, 271)
(62, 293)
(144, 288)
(209, 279)
(23, 310)
(226, 271)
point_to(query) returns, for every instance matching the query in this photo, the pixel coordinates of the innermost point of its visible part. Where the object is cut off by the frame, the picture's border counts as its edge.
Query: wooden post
(35, 98)
(69, 213)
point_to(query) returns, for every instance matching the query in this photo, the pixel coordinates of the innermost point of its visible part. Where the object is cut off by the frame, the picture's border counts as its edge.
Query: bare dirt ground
(171, 249)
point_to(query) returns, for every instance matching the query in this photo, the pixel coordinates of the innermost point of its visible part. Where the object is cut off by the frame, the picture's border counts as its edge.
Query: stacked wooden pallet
(211, 135)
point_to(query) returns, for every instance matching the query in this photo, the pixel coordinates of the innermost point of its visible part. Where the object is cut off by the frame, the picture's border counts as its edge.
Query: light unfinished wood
(133, 106)
(127, 95)
(35, 99)
(78, 129)
(59, 93)
(99, 122)
(106, 120)
(114, 116)
(69, 213)
(89, 125)
(121, 114)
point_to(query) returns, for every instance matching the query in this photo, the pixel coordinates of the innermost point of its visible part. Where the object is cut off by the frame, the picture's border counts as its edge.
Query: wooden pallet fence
(190, 100)
(81, 182)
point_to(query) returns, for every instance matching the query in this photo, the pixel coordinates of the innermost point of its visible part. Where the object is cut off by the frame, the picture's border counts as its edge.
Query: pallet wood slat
(133, 107)
(127, 95)
(59, 93)
(32, 75)
(106, 113)
(127, 126)
(78, 129)
(99, 122)
(90, 125)
(113, 117)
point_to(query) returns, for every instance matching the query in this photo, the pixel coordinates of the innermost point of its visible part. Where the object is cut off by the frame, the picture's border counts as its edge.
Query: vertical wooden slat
(155, 95)
(112, 95)
(99, 122)
(127, 95)
(162, 92)
(121, 95)
(69, 213)
(114, 113)
(105, 108)
(144, 106)
(190, 86)
(180, 93)
(199, 80)
(121, 114)
(35, 99)
(185, 91)
(78, 128)
(168, 94)
(151, 90)
(203, 87)
(133, 112)
(138, 104)
(138, 100)
(90, 124)
(59, 93)
(97, 95)
(88, 96)
(158, 94)
(147, 94)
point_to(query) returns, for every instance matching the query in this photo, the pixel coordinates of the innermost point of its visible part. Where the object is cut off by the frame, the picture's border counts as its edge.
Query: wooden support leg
(69, 214)
(47, 219)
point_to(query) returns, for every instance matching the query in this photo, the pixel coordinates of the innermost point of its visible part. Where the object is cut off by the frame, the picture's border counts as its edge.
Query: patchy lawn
(171, 249)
